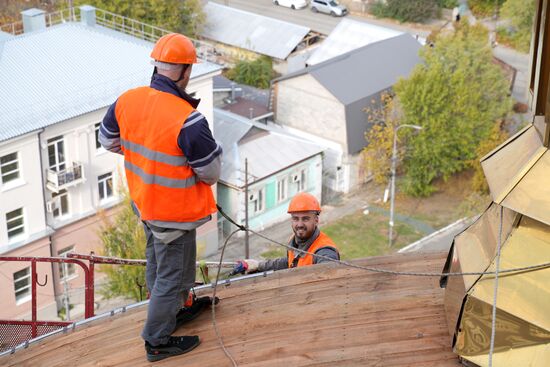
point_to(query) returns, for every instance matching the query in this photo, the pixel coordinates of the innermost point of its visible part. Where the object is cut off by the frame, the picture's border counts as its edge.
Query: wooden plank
(321, 316)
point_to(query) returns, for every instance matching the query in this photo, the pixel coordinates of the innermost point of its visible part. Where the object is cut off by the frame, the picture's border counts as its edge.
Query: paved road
(321, 23)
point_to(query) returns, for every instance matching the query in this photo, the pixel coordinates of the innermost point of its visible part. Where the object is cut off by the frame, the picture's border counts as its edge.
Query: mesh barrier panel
(13, 335)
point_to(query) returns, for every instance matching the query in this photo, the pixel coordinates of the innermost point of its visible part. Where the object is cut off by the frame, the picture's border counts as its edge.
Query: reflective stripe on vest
(307, 259)
(154, 155)
(160, 180)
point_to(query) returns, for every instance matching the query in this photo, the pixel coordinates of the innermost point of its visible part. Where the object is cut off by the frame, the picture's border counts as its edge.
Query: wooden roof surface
(323, 315)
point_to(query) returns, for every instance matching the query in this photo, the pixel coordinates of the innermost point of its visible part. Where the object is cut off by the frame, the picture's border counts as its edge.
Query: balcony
(71, 176)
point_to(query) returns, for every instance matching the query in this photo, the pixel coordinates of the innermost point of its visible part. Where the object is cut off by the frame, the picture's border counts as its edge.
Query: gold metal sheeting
(476, 246)
(505, 166)
(525, 295)
(537, 355)
(474, 336)
(454, 295)
(472, 251)
(531, 196)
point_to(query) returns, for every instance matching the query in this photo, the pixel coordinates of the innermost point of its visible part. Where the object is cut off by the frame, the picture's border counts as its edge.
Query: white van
(293, 4)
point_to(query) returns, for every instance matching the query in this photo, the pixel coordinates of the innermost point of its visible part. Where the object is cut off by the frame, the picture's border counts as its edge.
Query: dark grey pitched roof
(367, 70)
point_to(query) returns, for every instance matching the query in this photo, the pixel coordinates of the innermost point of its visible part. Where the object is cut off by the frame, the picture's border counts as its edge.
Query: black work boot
(186, 314)
(176, 345)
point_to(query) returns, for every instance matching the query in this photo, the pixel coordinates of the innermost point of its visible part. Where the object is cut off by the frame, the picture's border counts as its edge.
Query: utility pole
(246, 248)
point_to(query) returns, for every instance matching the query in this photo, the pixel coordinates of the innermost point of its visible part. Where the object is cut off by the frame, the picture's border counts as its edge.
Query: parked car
(293, 4)
(331, 7)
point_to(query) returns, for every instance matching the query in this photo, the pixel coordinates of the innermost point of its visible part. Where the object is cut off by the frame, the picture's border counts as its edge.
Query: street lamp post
(392, 185)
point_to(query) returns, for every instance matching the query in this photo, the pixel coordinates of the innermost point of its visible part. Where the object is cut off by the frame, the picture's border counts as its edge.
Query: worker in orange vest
(171, 159)
(304, 210)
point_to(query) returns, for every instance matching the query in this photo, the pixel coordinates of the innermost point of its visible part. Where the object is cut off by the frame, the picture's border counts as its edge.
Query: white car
(331, 7)
(293, 4)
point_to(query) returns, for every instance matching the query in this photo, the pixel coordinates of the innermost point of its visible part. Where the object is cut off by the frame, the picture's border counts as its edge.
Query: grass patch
(274, 253)
(360, 235)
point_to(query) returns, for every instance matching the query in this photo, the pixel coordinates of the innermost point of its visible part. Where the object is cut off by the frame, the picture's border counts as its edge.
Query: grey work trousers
(170, 273)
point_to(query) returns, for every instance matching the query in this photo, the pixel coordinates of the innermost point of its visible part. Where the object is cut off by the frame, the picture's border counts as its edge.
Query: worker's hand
(252, 265)
(245, 266)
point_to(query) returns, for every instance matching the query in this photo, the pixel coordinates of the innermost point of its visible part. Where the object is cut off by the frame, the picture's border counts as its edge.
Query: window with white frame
(282, 189)
(9, 167)
(256, 200)
(302, 181)
(22, 284)
(97, 143)
(299, 179)
(105, 186)
(56, 154)
(66, 270)
(15, 223)
(61, 203)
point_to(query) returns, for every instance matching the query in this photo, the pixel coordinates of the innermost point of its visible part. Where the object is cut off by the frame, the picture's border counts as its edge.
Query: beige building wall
(303, 103)
(12, 309)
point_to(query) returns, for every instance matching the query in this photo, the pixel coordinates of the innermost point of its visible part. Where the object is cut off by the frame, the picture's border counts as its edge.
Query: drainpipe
(42, 172)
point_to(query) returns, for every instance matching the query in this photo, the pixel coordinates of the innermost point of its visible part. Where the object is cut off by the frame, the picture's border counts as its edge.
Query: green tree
(456, 95)
(416, 11)
(185, 17)
(122, 236)
(378, 152)
(520, 13)
(257, 73)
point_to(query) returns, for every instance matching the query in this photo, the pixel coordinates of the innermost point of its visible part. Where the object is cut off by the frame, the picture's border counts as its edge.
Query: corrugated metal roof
(367, 70)
(249, 31)
(5, 36)
(68, 70)
(348, 35)
(267, 151)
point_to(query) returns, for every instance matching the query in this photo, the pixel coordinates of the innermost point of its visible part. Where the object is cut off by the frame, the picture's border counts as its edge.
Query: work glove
(245, 266)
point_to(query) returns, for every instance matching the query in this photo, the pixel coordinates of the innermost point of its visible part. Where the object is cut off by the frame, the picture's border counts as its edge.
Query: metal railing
(117, 22)
(14, 332)
(58, 180)
(17, 332)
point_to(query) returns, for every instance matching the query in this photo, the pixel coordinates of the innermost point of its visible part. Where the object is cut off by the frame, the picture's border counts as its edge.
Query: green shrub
(484, 8)
(448, 4)
(257, 73)
(520, 13)
(416, 11)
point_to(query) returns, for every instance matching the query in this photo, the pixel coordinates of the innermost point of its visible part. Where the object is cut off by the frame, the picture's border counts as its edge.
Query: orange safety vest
(160, 180)
(307, 259)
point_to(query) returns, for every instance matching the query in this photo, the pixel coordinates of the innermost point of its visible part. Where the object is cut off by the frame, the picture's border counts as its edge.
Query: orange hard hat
(175, 48)
(304, 202)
